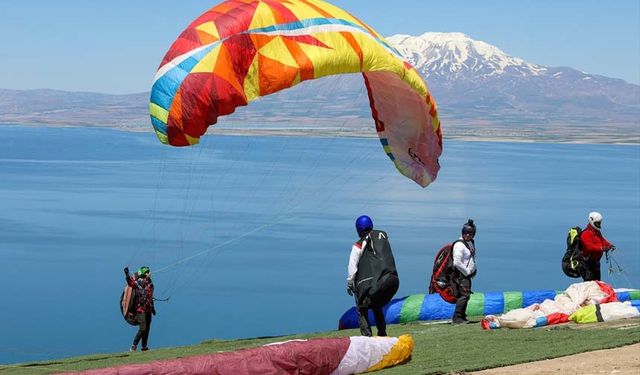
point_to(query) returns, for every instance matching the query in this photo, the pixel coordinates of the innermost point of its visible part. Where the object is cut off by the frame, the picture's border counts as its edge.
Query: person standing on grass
(372, 276)
(592, 246)
(464, 269)
(143, 289)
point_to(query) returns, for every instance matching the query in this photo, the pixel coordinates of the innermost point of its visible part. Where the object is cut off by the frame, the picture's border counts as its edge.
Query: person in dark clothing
(143, 286)
(592, 246)
(464, 264)
(372, 275)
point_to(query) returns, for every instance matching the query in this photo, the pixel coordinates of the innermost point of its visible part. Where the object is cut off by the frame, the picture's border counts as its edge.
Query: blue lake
(250, 236)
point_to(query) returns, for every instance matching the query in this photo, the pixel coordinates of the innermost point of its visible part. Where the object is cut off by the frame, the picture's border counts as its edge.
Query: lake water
(250, 236)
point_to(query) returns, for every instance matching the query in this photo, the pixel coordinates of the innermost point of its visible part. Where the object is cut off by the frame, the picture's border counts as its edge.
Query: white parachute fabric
(553, 311)
(367, 354)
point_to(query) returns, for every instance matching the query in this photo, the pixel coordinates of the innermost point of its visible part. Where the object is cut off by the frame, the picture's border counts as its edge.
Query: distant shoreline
(456, 134)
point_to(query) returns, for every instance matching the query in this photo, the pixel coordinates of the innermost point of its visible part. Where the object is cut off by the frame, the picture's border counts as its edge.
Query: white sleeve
(458, 258)
(356, 252)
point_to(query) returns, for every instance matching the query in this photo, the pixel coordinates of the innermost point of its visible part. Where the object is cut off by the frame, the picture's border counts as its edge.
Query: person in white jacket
(464, 264)
(372, 276)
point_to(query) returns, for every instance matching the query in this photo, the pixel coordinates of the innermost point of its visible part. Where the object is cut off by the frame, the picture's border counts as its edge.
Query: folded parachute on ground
(426, 307)
(558, 309)
(607, 312)
(241, 50)
(335, 356)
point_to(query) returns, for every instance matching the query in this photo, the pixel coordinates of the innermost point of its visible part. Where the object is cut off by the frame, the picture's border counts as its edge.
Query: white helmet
(595, 219)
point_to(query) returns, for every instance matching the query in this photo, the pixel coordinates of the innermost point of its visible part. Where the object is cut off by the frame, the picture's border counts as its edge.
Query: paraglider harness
(573, 261)
(445, 277)
(377, 278)
(129, 303)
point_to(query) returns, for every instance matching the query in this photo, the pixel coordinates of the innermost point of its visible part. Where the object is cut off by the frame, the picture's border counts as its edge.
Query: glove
(153, 310)
(126, 271)
(350, 287)
(612, 248)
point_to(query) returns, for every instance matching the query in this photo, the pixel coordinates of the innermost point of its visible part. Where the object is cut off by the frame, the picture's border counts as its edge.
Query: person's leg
(363, 320)
(464, 294)
(381, 323)
(596, 271)
(590, 271)
(459, 314)
(145, 335)
(142, 329)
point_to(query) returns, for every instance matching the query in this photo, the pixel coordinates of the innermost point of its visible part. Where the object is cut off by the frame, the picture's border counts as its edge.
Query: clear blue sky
(115, 46)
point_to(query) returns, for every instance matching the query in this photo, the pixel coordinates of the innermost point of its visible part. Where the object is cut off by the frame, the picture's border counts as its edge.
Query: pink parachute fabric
(241, 50)
(330, 356)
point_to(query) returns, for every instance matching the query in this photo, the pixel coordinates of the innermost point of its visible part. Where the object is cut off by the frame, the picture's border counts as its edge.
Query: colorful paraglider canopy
(241, 50)
(427, 307)
(337, 356)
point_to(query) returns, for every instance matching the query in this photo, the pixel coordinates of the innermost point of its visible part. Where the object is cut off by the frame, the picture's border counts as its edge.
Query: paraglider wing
(241, 50)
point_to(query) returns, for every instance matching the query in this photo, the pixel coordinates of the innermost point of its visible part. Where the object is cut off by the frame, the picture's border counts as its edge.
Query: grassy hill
(439, 348)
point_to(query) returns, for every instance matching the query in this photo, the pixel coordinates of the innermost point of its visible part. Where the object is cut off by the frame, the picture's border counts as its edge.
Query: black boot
(460, 314)
(363, 320)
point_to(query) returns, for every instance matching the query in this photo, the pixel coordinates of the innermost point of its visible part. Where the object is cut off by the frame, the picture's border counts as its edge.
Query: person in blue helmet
(372, 276)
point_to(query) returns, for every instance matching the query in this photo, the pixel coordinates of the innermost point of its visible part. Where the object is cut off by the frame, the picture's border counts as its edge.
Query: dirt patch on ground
(619, 361)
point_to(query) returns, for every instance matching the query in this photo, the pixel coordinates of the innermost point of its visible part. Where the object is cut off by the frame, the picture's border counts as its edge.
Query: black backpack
(443, 274)
(128, 302)
(377, 278)
(573, 259)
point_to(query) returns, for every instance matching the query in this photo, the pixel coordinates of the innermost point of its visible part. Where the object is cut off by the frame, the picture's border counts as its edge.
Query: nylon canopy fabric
(241, 50)
(432, 307)
(560, 308)
(334, 356)
(606, 312)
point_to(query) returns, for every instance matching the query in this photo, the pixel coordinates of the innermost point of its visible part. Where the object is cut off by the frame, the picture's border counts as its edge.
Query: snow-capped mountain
(454, 56)
(475, 82)
(481, 91)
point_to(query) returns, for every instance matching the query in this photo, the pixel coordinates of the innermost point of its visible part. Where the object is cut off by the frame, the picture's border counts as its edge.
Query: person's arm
(128, 278)
(458, 256)
(606, 244)
(356, 252)
(352, 269)
(151, 301)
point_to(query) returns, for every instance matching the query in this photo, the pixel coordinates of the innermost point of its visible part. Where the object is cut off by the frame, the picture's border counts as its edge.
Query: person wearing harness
(464, 269)
(372, 276)
(592, 246)
(143, 287)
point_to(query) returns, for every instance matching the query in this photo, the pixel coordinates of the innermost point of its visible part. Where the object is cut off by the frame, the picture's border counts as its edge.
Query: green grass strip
(436, 346)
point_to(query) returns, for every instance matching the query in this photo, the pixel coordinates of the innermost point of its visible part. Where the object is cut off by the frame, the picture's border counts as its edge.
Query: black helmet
(469, 228)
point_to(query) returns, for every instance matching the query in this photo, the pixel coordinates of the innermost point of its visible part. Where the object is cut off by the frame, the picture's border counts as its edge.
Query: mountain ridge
(481, 91)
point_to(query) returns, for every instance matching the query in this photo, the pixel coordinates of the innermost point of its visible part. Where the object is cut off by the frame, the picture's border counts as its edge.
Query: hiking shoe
(144, 349)
(133, 348)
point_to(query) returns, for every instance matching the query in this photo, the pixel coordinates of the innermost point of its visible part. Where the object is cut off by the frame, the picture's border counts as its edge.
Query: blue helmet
(363, 225)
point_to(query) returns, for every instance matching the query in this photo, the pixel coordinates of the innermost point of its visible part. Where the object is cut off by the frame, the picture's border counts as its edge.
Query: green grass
(439, 348)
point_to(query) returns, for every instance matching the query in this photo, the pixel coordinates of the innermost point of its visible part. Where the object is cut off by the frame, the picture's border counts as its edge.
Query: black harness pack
(376, 281)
